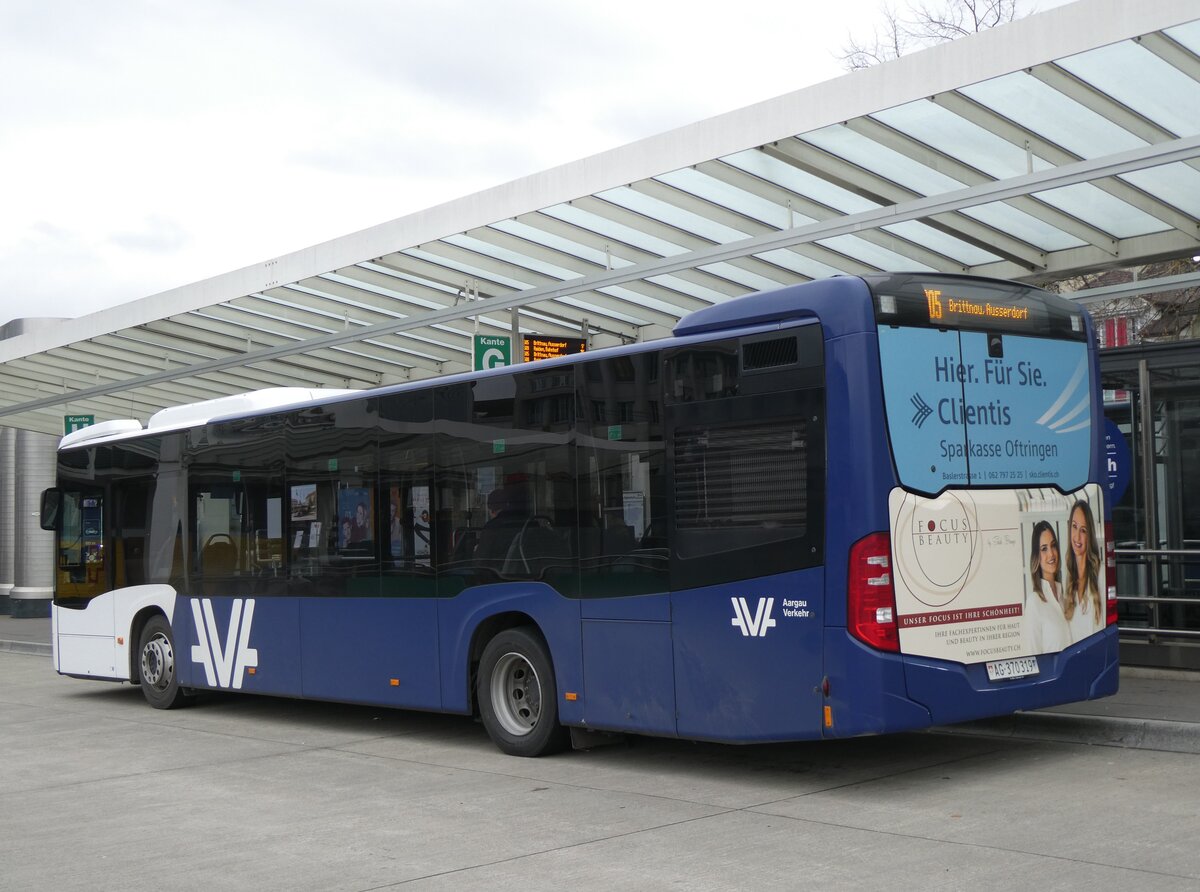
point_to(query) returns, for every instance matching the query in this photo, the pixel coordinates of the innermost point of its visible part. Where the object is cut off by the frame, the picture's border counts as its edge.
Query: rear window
(986, 408)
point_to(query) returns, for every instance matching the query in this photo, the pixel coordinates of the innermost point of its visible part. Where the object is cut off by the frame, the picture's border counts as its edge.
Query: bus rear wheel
(517, 693)
(156, 662)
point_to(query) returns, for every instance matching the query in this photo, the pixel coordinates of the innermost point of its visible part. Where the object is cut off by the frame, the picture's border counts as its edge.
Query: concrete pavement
(98, 791)
(1154, 709)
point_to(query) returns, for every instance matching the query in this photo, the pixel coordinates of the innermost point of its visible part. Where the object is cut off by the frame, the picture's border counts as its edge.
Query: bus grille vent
(769, 354)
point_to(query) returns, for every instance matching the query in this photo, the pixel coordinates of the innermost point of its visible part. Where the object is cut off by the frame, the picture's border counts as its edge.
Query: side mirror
(51, 509)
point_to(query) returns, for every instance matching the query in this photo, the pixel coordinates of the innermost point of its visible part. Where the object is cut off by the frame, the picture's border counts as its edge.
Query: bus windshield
(1004, 406)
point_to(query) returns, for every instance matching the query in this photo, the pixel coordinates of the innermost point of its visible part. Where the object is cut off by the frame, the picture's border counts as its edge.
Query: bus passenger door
(625, 607)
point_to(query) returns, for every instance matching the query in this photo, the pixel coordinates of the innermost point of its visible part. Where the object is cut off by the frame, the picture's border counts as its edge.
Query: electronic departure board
(545, 347)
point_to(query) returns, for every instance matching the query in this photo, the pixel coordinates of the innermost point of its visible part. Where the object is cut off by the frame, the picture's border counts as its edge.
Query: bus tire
(518, 695)
(157, 665)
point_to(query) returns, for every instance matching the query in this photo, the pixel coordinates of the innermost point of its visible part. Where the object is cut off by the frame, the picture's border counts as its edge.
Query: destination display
(983, 305)
(945, 307)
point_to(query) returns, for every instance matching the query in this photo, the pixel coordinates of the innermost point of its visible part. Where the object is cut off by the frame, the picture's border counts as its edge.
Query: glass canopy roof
(1037, 172)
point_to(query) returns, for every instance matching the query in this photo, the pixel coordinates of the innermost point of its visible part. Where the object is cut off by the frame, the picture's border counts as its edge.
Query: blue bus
(851, 506)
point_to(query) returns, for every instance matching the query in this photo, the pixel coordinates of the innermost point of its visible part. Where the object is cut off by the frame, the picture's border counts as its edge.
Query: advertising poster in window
(355, 518)
(396, 523)
(421, 522)
(989, 575)
(302, 509)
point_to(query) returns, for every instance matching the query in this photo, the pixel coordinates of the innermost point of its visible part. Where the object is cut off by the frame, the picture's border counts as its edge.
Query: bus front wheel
(517, 695)
(156, 658)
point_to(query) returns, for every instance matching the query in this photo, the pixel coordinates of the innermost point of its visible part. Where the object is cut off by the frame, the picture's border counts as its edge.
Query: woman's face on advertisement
(1079, 532)
(1048, 554)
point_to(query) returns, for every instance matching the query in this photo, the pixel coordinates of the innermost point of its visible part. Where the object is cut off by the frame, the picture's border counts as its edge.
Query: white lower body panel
(94, 641)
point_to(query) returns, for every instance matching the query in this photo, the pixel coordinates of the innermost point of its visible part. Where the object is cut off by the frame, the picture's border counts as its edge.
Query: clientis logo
(923, 410)
(939, 552)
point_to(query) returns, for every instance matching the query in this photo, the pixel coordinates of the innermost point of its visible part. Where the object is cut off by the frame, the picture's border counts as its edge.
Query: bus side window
(506, 481)
(333, 534)
(747, 457)
(235, 526)
(622, 478)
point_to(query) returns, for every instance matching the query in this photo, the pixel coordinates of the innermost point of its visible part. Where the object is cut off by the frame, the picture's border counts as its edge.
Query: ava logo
(224, 666)
(756, 625)
(923, 410)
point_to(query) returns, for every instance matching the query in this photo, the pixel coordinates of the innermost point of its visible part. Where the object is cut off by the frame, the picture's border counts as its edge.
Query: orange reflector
(120, 640)
(250, 670)
(572, 696)
(828, 717)
(394, 682)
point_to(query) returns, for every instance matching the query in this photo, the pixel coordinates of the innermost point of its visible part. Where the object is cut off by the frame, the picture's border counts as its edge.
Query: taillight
(871, 597)
(1110, 574)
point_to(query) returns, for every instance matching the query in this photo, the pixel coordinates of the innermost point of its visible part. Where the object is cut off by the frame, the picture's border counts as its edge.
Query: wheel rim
(516, 694)
(158, 662)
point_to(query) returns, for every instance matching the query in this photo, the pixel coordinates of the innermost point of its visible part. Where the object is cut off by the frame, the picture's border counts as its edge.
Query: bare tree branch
(928, 22)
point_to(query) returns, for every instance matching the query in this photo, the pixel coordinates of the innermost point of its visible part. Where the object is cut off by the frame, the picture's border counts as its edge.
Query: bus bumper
(953, 692)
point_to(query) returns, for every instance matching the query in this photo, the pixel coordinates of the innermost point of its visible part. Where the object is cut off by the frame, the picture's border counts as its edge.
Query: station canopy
(1059, 144)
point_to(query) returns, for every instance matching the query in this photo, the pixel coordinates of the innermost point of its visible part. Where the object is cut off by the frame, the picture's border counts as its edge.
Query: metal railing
(1158, 570)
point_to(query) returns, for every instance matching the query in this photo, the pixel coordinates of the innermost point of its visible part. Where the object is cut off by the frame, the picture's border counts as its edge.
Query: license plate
(1018, 668)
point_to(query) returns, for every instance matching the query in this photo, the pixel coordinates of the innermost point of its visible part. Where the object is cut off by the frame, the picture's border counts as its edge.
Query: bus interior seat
(218, 559)
(534, 549)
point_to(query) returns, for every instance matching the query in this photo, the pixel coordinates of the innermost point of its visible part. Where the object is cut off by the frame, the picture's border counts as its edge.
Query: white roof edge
(1054, 34)
(252, 402)
(195, 414)
(105, 429)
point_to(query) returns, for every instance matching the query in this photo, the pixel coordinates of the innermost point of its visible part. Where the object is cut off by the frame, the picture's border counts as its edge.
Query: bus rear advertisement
(854, 506)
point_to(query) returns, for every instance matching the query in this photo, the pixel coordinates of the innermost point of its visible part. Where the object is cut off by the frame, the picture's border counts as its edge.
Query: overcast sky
(147, 144)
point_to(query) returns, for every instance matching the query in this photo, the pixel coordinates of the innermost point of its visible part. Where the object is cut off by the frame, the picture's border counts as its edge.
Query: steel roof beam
(295, 310)
(581, 266)
(79, 363)
(34, 376)
(1135, 288)
(229, 339)
(969, 176)
(414, 350)
(486, 310)
(626, 252)
(30, 382)
(340, 362)
(688, 242)
(621, 313)
(1083, 93)
(460, 332)
(887, 193)
(1113, 165)
(1156, 246)
(617, 307)
(749, 226)
(1059, 157)
(225, 324)
(1172, 52)
(534, 318)
(794, 202)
